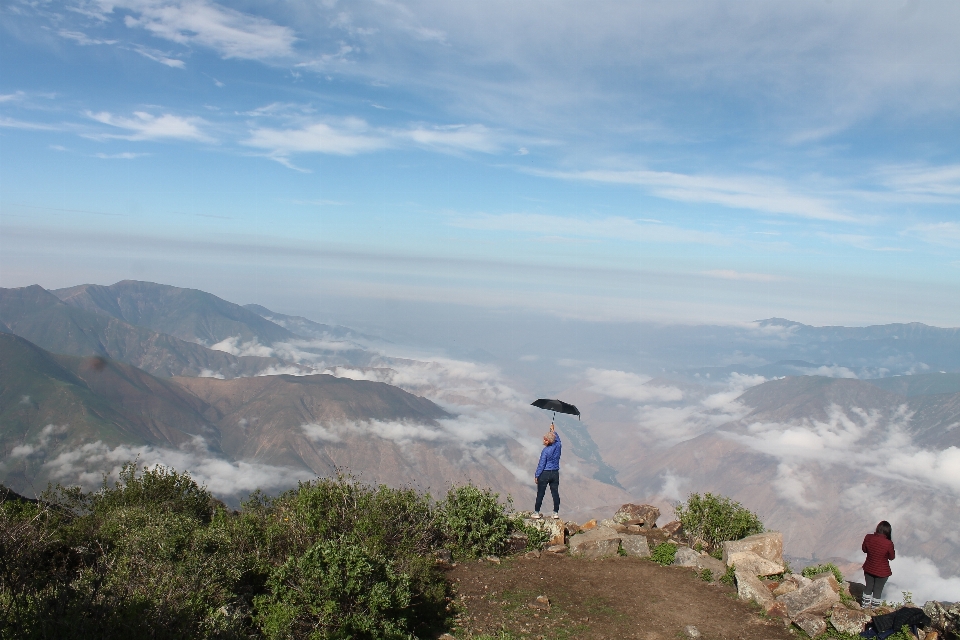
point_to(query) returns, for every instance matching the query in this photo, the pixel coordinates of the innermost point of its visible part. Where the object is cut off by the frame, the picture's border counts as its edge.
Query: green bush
(335, 590)
(706, 575)
(664, 553)
(811, 571)
(729, 575)
(715, 519)
(473, 522)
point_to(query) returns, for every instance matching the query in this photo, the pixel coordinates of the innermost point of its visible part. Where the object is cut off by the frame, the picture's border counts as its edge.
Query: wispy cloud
(729, 274)
(146, 126)
(230, 33)
(82, 39)
(630, 386)
(127, 155)
(738, 192)
(614, 227)
(939, 184)
(942, 233)
(13, 123)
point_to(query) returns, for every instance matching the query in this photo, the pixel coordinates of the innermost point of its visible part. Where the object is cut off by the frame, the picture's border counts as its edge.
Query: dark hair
(884, 529)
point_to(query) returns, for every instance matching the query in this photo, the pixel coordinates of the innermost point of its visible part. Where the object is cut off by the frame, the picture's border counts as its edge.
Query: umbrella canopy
(557, 406)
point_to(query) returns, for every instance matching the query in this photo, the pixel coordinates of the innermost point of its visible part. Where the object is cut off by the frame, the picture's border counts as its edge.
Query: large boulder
(817, 598)
(847, 620)
(673, 529)
(635, 546)
(642, 514)
(596, 543)
(811, 623)
(553, 528)
(766, 545)
(753, 563)
(686, 557)
(944, 616)
(751, 588)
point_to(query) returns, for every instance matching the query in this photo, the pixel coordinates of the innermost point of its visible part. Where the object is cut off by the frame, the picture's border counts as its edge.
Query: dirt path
(611, 598)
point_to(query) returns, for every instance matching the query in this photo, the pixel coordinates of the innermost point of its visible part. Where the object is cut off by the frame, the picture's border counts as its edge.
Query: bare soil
(611, 598)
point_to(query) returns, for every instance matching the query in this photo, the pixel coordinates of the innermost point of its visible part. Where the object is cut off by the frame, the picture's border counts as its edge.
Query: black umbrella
(557, 406)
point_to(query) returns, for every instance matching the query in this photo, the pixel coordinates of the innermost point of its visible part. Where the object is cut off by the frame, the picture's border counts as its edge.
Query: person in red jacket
(879, 549)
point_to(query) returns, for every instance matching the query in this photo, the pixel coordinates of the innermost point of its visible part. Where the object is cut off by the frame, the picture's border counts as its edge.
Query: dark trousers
(551, 478)
(874, 585)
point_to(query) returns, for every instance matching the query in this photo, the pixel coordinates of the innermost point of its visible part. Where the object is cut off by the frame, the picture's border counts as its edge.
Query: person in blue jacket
(548, 472)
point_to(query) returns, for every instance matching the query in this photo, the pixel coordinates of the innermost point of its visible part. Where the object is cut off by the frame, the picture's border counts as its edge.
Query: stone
(686, 557)
(516, 542)
(816, 598)
(931, 635)
(753, 563)
(751, 588)
(557, 548)
(589, 524)
(531, 555)
(944, 616)
(635, 546)
(446, 636)
(596, 543)
(847, 620)
(812, 624)
(542, 602)
(766, 545)
(572, 528)
(607, 522)
(644, 514)
(554, 529)
(493, 559)
(691, 631)
(715, 566)
(634, 528)
(777, 610)
(673, 528)
(785, 587)
(799, 580)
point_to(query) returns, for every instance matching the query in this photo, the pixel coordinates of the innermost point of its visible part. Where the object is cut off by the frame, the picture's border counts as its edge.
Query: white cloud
(738, 192)
(942, 233)
(82, 38)
(348, 137)
(230, 33)
(119, 156)
(235, 347)
(921, 577)
(146, 126)
(87, 464)
(728, 274)
(613, 227)
(453, 138)
(630, 386)
(319, 433)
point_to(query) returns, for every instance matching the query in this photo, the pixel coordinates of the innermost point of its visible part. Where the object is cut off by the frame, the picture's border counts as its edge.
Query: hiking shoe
(536, 516)
(556, 516)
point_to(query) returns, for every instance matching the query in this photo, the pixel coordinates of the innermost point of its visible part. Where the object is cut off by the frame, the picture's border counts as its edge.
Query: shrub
(664, 553)
(811, 571)
(716, 519)
(706, 575)
(473, 521)
(536, 537)
(159, 488)
(335, 590)
(729, 575)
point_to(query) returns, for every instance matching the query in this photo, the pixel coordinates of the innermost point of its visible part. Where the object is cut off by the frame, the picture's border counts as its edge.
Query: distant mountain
(188, 314)
(823, 459)
(304, 327)
(42, 318)
(920, 385)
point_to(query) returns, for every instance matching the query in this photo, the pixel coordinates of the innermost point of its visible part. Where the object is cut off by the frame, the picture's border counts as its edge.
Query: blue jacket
(549, 457)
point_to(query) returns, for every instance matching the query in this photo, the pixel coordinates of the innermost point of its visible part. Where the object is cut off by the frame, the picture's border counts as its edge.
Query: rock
(691, 631)
(829, 579)
(945, 617)
(715, 566)
(572, 528)
(553, 528)
(557, 548)
(686, 557)
(847, 620)
(589, 524)
(493, 559)
(643, 514)
(634, 528)
(516, 542)
(811, 623)
(542, 602)
(753, 563)
(635, 546)
(766, 545)
(596, 543)
(531, 555)
(815, 598)
(785, 587)
(673, 528)
(607, 522)
(932, 635)
(751, 588)
(777, 610)
(446, 636)
(799, 580)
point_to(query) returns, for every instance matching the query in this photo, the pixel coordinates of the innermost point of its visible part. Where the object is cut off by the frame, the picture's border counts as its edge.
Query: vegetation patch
(713, 519)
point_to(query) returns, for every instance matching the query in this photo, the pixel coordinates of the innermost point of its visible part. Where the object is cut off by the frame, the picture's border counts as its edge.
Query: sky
(698, 162)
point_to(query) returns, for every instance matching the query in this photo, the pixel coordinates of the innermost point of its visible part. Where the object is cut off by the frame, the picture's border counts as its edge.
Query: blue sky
(700, 162)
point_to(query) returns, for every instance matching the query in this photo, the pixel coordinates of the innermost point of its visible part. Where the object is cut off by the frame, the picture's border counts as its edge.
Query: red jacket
(879, 552)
